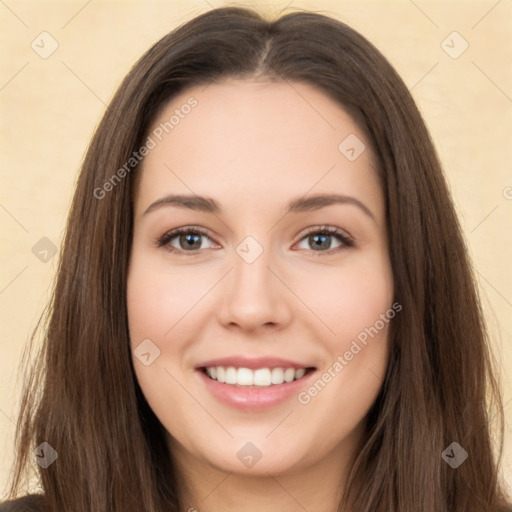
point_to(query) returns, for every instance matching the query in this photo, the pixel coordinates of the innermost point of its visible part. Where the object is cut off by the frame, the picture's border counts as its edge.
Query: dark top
(29, 503)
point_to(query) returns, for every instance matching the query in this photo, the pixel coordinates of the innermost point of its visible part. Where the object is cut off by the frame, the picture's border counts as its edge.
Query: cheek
(150, 308)
(164, 306)
(356, 305)
(157, 300)
(349, 299)
(159, 297)
(359, 303)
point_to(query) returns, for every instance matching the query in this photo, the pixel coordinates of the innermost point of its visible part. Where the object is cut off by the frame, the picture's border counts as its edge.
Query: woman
(259, 298)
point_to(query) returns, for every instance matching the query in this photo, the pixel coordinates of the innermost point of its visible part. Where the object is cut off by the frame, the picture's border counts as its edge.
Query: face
(260, 288)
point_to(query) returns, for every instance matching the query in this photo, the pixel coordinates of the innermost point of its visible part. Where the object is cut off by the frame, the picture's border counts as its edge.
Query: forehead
(265, 141)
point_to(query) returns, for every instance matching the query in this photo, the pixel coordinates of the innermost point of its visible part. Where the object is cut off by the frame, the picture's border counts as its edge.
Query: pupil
(190, 240)
(316, 238)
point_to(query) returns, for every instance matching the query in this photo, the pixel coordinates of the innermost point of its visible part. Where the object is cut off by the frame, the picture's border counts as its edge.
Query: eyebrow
(299, 205)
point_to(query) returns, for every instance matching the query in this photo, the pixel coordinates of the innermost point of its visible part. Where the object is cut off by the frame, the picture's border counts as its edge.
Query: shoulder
(29, 503)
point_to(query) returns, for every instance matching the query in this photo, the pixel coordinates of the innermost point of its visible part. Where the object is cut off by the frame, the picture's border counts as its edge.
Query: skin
(253, 146)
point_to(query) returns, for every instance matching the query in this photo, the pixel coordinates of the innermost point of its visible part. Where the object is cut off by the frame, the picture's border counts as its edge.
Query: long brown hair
(82, 396)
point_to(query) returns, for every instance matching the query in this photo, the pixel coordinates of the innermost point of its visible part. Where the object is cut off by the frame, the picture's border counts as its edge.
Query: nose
(252, 297)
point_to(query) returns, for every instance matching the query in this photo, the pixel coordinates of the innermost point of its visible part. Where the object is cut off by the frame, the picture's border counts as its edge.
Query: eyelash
(164, 240)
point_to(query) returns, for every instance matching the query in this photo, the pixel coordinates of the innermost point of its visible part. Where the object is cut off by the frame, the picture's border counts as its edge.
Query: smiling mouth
(257, 378)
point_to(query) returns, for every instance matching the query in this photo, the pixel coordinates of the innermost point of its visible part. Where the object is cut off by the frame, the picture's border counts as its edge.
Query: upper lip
(253, 363)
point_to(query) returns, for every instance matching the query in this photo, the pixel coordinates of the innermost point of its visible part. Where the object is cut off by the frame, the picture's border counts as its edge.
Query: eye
(320, 241)
(191, 240)
(184, 240)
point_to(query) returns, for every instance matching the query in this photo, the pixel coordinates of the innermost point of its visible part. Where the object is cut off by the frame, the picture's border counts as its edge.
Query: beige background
(50, 107)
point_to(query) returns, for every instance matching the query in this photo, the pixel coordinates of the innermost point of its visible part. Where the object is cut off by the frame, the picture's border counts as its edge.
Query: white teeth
(277, 376)
(289, 374)
(298, 373)
(262, 377)
(221, 374)
(244, 377)
(231, 375)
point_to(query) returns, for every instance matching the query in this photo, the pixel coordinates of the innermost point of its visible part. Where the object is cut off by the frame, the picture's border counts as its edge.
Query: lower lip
(253, 398)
